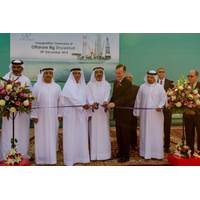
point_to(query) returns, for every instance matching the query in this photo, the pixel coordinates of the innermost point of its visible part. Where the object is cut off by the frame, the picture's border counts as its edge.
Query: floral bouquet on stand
(15, 97)
(183, 99)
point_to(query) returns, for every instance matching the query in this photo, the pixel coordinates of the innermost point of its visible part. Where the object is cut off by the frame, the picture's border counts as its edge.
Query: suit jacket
(198, 86)
(133, 94)
(122, 97)
(168, 84)
(197, 113)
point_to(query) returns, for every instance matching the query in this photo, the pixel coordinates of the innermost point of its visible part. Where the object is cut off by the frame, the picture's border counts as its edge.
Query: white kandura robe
(151, 121)
(75, 134)
(22, 127)
(46, 130)
(75, 122)
(100, 144)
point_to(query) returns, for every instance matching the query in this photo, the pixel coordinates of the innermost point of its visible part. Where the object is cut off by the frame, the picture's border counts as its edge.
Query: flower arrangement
(183, 151)
(13, 157)
(14, 96)
(183, 98)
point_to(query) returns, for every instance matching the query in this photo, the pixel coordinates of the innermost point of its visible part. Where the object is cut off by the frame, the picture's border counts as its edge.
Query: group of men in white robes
(83, 108)
(74, 105)
(82, 142)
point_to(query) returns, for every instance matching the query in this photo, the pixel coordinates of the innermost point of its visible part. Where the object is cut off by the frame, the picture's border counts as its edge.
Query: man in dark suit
(192, 122)
(121, 98)
(166, 83)
(133, 122)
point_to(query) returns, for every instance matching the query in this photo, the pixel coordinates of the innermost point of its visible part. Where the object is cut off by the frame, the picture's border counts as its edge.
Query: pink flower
(25, 95)
(17, 103)
(3, 91)
(6, 97)
(21, 94)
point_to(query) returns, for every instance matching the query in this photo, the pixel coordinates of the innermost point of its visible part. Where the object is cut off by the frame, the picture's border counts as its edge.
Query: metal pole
(13, 130)
(183, 127)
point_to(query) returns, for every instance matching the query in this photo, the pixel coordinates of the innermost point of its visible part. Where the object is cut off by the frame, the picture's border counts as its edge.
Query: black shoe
(123, 159)
(119, 160)
(126, 159)
(134, 147)
(31, 158)
(118, 155)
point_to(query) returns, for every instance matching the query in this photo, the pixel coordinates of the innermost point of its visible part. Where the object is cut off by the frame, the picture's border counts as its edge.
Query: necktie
(160, 82)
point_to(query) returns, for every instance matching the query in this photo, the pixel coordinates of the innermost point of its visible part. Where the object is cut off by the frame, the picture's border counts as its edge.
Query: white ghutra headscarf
(40, 81)
(152, 73)
(98, 90)
(41, 74)
(73, 91)
(10, 74)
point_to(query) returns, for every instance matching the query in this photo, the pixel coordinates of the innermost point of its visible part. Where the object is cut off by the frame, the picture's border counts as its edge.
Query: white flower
(23, 85)
(13, 110)
(173, 98)
(178, 104)
(26, 103)
(9, 87)
(189, 87)
(190, 96)
(180, 87)
(195, 91)
(2, 102)
(198, 102)
(170, 93)
(2, 83)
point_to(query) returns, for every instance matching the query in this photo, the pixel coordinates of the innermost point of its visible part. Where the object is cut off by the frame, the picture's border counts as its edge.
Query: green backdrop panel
(176, 52)
(139, 52)
(4, 52)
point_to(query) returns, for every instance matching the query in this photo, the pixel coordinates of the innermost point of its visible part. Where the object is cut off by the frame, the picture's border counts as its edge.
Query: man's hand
(168, 106)
(158, 109)
(95, 106)
(35, 120)
(111, 105)
(86, 106)
(105, 104)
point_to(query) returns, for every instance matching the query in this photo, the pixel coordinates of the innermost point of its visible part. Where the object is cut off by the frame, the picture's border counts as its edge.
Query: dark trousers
(123, 139)
(192, 123)
(133, 132)
(167, 128)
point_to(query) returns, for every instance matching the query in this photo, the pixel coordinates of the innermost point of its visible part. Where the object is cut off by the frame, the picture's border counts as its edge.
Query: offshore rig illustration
(100, 50)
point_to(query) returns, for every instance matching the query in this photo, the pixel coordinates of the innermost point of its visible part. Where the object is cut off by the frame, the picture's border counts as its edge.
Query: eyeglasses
(161, 72)
(190, 76)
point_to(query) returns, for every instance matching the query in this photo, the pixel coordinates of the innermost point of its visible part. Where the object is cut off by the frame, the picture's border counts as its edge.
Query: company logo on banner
(64, 51)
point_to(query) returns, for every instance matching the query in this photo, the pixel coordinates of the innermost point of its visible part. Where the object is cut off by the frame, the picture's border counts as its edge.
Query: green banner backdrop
(139, 52)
